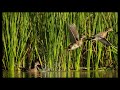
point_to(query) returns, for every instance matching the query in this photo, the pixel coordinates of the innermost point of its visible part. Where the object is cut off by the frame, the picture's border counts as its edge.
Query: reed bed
(28, 36)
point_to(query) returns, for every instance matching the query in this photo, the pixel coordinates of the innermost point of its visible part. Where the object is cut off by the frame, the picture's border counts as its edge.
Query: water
(62, 74)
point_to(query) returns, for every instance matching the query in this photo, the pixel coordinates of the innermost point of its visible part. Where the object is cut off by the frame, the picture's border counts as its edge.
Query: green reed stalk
(89, 45)
(99, 45)
(45, 35)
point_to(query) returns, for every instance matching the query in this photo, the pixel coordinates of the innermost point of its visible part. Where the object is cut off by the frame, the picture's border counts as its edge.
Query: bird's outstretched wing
(74, 36)
(104, 41)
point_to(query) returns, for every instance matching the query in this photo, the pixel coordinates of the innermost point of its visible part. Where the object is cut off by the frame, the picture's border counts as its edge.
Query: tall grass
(28, 36)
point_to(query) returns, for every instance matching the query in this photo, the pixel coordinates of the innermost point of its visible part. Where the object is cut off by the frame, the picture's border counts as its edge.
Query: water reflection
(63, 74)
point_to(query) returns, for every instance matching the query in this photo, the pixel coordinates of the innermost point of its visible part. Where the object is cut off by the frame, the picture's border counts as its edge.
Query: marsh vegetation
(44, 36)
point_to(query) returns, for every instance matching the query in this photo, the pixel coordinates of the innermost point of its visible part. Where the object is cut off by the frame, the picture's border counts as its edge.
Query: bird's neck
(35, 66)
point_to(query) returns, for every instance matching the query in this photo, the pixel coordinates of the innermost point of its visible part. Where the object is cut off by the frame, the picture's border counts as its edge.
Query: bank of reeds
(27, 36)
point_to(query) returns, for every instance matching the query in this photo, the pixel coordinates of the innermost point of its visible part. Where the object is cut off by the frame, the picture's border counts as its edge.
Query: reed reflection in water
(64, 74)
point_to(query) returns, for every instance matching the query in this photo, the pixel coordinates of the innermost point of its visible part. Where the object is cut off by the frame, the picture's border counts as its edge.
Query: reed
(28, 36)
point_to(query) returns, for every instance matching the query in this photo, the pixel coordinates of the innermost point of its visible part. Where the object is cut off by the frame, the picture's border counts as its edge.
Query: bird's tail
(90, 38)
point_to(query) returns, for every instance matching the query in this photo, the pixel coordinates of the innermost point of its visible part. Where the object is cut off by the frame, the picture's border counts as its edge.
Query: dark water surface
(62, 74)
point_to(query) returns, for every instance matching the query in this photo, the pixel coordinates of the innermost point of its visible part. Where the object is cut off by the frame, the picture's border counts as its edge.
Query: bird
(33, 70)
(102, 37)
(74, 38)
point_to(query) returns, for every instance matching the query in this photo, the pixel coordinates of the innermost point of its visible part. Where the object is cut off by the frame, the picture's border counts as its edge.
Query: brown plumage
(74, 38)
(101, 37)
(104, 34)
(34, 70)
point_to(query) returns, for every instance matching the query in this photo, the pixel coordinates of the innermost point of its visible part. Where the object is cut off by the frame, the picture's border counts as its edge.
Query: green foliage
(28, 36)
